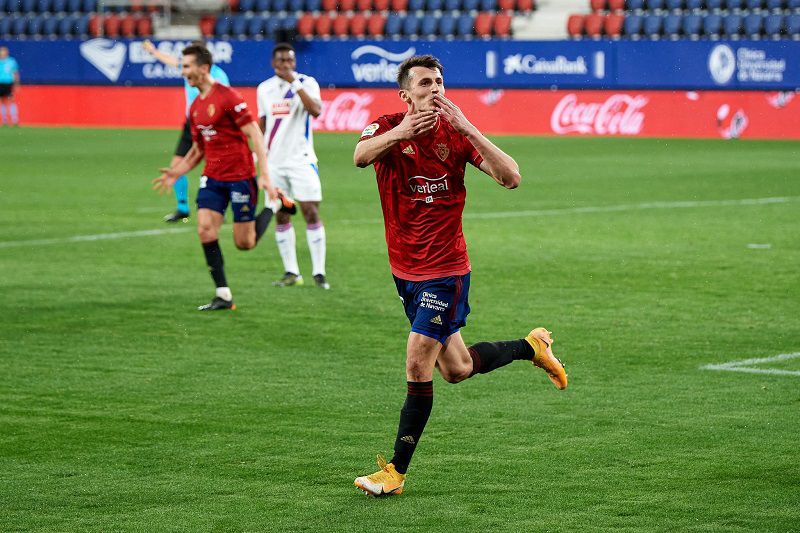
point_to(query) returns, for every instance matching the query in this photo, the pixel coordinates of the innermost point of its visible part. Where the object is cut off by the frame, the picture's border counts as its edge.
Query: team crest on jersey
(442, 151)
(370, 130)
(211, 110)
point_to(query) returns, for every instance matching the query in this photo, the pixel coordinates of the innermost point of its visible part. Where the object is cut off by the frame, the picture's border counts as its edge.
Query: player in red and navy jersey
(221, 126)
(419, 158)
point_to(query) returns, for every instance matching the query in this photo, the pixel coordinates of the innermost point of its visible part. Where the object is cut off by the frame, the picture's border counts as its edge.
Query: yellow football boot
(386, 481)
(543, 357)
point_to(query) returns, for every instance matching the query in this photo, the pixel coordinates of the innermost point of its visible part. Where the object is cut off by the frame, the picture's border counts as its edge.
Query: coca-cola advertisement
(692, 114)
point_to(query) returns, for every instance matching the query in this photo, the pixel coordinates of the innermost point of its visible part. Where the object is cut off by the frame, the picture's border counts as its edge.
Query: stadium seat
(358, 25)
(616, 5)
(313, 5)
(470, 5)
(262, 6)
(483, 24)
(575, 26)
(411, 25)
(651, 26)
(733, 5)
(754, 5)
(613, 25)
(598, 5)
(94, 25)
(49, 27)
(34, 28)
(246, 5)
(347, 5)
(81, 26)
(656, 5)
(634, 5)
(239, 26)
(144, 27)
(434, 5)
(487, 5)
(692, 26)
(526, 6)
(111, 26)
(673, 25)
(502, 25)
(323, 25)
(305, 26)
(732, 25)
(42, 6)
(694, 5)
(5, 26)
(773, 26)
(222, 28)
(753, 24)
(89, 6)
(364, 5)
(18, 26)
(793, 26)
(296, 6)
(447, 25)
(399, 5)
(380, 5)
(13, 6)
(28, 6)
(255, 27)
(127, 26)
(712, 25)
(330, 5)
(465, 26)
(393, 26)
(453, 5)
(279, 6)
(340, 26)
(416, 5)
(287, 28)
(206, 26)
(428, 26)
(60, 6)
(674, 5)
(593, 25)
(775, 5)
(794, 5)
(74, 6)
(273, 25)
(714, 5)
(376, 24)
(632, 28)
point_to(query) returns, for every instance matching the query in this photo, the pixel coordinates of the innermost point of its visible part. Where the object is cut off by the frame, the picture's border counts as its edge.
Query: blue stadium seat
(428, 25)
(775, 5)
(672, 25)
(692, 25)
(66, 26)
(793, 26)
(238, 26)
(651, 27)
(288, 23)
(222, 27)
(465, 25)
(487, 5)
(411, 25)
(632, 28)
(434, 5)
(5, 26)
(732, 25)
(447, 25)
(255, 26)
(655, 5)
(50, 27)
(694, 5)
(674, 5)
(279, 5)
(246, 5)
(754, 4)
(394, 25)
(13, 6)
(272, 26)
(43, 6)
(634, 5)
(89, 6)
(452, 5)
(82, 25)
(416, 5)
(313, 5)
(753, 24)
(297, 5)
(470, 5)
(2, 7)
(59, 6)
(794, 5)
(35, 25)
(18, 26)
(74, 6)
(262, 5)
(28, 6)
(773, 26)
(713, 5)
(733, 5)
(712, 25)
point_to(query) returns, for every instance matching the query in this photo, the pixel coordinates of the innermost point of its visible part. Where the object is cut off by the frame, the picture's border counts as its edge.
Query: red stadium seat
(127, 26)
(233, 4)
(613, 25)
(364, 5)
(347, 5)
(305, 26)
(207, 26)
(358, 25)
(111, 26)
(526, 6)
(323, 25)
(483, 24)
(506, 5)
(380, 5)
(594, 25)
(329, 5)
(144, 27)
(616, 5)
(341, 26)
(502, 25)
(598, 5)
(575, 25)
(136, 6)
(399, 5)
(94, 26)
(376, 24)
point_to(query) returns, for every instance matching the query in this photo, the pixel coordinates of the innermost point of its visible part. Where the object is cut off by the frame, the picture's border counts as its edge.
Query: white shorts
(300, 183)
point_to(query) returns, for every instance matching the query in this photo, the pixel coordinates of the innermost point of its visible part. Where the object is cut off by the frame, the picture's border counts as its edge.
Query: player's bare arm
(496, 163)
(253, 132)
(167, 59)
(170, 175)
(414, 124)
(312, 105)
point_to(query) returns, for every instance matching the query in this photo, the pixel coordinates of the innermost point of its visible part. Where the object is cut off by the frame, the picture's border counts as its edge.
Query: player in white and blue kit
(181, 186)
(9, 80)
(286, 104)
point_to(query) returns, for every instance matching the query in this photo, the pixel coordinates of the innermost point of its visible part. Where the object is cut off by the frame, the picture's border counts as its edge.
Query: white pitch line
(745, 365)
(477, 216)
(96, 237)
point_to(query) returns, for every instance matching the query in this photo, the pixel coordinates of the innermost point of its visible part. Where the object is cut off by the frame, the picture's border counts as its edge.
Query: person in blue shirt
(181, 186)
(9, 81)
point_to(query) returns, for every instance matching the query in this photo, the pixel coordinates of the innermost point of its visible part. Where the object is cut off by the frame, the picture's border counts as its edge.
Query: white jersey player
(286, 104)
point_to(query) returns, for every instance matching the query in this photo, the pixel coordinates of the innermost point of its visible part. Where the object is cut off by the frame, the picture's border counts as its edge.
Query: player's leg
(12, 108)
(308, 191)
(244, 199)
(3, 103)
(212, 200)
(181, 186)
(285, 237)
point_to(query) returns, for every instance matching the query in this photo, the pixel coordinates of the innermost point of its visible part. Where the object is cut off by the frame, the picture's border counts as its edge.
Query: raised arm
(413, 124)
(312, 105)
(167, 59)
(496, 163)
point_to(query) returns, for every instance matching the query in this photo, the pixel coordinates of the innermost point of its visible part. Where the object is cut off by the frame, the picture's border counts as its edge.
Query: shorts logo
(442, 151)
(370, 130)
(211, 110)
(432, 301)
(437, 320)
(240, 198)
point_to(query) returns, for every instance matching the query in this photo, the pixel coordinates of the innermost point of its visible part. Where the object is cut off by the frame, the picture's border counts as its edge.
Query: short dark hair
(282, 47)
(427, 61)
(202, 55)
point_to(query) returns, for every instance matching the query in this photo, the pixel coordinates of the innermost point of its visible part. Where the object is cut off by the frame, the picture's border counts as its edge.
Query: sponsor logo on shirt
(428, 189)
(208, 132)
(282, 108)
(409, 150)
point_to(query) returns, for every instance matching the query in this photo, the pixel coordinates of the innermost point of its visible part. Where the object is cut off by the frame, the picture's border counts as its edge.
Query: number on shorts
(203, 181)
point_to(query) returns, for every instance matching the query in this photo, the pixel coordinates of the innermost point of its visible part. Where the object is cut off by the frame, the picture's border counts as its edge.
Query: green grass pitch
(124, 409)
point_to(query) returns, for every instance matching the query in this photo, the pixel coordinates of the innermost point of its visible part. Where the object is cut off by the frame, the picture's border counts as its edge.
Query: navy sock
(262, 222)
(488, 356)
(215, 263)
(413, 417)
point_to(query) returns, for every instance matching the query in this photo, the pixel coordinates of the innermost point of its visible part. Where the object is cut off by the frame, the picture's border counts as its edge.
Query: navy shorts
(436, 308)
(242, 195)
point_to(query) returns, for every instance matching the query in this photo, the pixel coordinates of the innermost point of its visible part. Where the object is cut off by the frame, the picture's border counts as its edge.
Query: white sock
(225, 293)
(315, 233)
(284, 236)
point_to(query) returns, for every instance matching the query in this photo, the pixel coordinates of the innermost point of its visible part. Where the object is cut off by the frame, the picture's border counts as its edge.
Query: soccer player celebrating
(419, 158)
(221, 125)
(286, 103)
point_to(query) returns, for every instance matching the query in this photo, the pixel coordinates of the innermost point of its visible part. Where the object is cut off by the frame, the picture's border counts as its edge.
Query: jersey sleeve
(261, 100)
(375, 128)
(237, 109)
(471, 154)
(311, 87)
